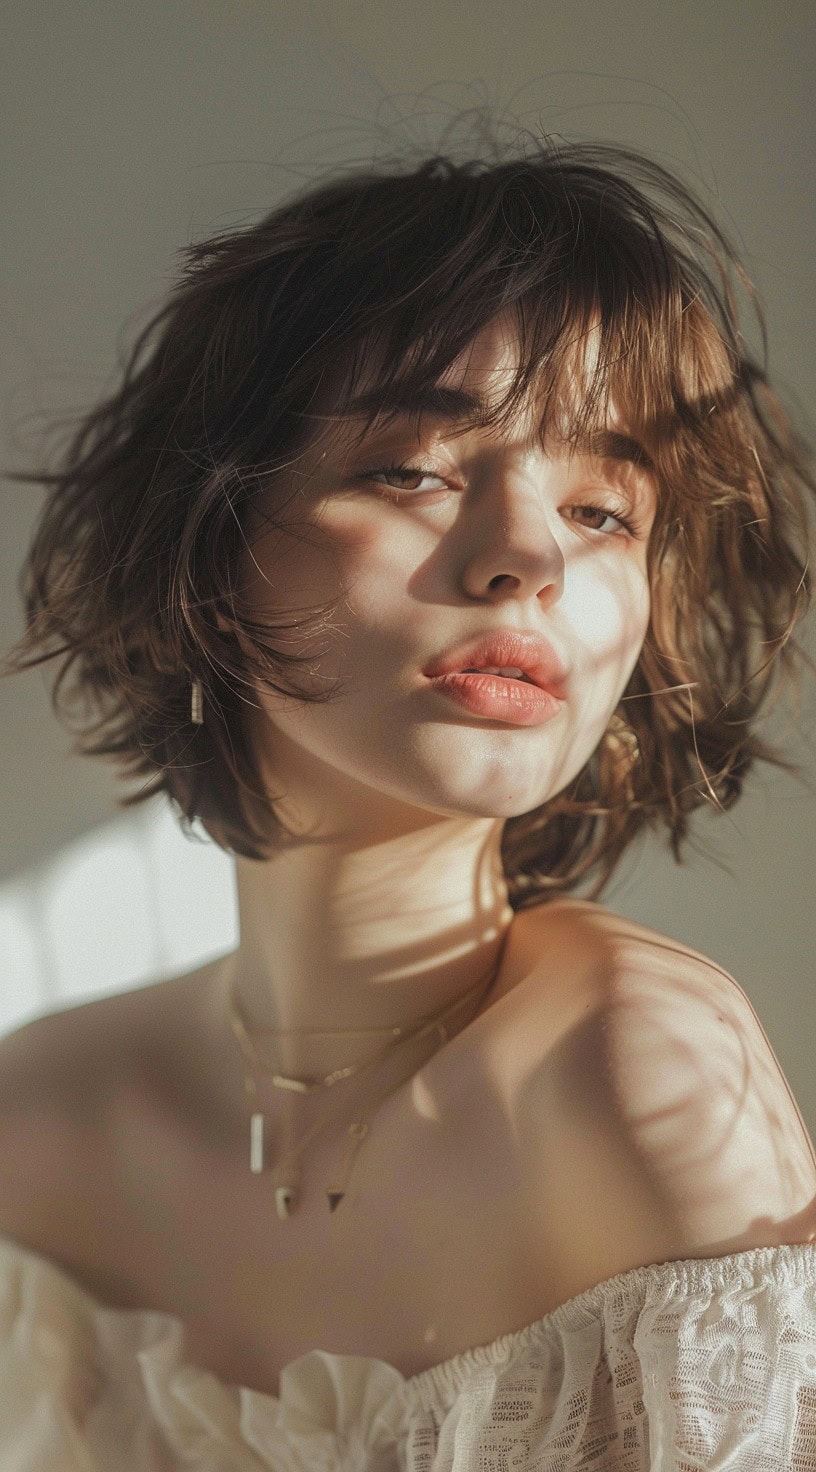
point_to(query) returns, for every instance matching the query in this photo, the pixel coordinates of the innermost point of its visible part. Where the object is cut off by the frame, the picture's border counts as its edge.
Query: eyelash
(619, 513)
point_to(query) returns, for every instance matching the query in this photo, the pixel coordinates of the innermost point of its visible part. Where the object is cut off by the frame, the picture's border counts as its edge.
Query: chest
(435, 1248)
(426, 1255)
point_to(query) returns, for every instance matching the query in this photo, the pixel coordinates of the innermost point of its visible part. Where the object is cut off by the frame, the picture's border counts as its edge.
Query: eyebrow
(457, 405)
(435, 400)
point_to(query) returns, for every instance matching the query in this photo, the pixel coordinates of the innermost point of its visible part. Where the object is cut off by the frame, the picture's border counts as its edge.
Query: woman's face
(487, 531)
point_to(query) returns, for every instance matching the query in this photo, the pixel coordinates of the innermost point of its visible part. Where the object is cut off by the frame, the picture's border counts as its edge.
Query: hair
(132, 583)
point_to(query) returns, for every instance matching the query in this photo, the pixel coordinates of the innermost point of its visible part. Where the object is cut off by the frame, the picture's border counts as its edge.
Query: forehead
(476, 381)
(489, 362)
(475, 391)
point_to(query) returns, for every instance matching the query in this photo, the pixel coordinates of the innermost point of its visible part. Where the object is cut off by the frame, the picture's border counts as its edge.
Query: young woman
(442, 535)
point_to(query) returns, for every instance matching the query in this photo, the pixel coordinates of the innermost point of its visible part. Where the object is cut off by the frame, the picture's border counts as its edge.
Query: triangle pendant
(283, 1201)
(335, 1197)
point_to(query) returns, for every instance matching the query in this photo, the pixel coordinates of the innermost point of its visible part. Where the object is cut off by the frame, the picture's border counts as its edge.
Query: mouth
(509, 656)
(495, 696)
(499, 674)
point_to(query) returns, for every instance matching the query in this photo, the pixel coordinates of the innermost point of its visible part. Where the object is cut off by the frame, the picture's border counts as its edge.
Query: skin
(393, 902)
(620, 1106)
(623, 1110)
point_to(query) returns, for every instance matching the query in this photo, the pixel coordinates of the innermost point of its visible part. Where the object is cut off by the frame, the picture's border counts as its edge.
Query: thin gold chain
(303, 1086)
(359, 1129)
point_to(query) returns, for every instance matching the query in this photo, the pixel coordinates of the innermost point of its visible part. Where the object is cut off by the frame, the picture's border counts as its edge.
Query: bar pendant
(295, 1084)
(256, 1144)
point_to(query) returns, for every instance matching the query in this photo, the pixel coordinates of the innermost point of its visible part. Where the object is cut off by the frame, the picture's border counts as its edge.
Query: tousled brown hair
(132, 576)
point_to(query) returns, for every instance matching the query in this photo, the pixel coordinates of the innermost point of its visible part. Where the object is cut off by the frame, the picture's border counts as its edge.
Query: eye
(402, 474)
(620, 515)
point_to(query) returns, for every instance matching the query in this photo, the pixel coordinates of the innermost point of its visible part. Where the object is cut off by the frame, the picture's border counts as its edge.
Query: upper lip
(506, 648)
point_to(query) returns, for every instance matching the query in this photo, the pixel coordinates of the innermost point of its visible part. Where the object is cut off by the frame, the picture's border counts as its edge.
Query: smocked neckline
(433, 1388)
(434, 1385)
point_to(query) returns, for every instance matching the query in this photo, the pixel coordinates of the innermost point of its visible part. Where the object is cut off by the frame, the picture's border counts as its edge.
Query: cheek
(608, 615)
(300, 566)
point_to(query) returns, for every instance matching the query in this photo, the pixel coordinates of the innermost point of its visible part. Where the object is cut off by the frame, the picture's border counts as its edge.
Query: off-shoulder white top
(703, 1364)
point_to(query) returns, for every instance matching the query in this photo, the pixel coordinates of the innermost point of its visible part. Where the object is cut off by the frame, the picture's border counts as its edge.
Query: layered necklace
(256, 1068)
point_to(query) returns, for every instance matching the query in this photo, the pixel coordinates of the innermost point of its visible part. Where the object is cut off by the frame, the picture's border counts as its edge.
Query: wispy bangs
(606, 319)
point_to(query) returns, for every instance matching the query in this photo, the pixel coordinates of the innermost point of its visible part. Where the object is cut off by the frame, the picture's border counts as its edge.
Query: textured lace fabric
(703, 1364)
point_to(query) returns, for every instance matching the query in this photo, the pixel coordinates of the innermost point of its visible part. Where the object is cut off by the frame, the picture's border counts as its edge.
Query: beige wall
(131, 129)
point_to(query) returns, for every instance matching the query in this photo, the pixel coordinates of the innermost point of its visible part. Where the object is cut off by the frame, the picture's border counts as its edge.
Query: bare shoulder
(64, 1062)
(684, 1136)
(679, 1027)
(67, 1079)
(54, 1075)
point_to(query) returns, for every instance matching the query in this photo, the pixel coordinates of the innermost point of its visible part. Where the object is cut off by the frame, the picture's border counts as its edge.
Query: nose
(517, 552)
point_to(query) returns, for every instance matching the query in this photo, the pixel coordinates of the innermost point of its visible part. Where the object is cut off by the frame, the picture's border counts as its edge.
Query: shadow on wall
(128, 904)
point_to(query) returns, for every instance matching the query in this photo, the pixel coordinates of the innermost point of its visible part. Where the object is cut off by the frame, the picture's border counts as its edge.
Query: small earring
(197, 704)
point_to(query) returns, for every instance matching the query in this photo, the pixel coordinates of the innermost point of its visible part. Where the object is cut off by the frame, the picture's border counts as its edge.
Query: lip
(504, 648)
(512, 702)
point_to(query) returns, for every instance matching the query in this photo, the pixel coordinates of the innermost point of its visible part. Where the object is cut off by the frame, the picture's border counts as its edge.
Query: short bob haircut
(132, 579)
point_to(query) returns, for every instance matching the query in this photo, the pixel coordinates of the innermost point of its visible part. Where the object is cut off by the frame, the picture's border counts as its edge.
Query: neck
(343, 936)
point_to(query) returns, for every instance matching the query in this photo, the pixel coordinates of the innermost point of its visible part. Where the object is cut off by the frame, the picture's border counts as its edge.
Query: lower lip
(500, 698)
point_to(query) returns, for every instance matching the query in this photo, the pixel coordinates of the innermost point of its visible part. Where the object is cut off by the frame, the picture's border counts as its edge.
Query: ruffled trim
(332, 1409)
(435, 1389)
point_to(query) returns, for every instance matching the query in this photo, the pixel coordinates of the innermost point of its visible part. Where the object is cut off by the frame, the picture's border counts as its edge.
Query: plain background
(132, 129)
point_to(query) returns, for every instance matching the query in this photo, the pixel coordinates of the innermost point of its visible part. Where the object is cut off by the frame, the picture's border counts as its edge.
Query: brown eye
(402, 474)
(603, 514)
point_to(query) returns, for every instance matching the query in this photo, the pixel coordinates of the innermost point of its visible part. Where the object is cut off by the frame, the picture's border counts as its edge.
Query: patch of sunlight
(20, 949)
(130, 903)
(425, 1103)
